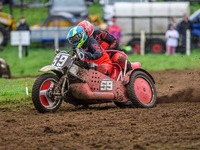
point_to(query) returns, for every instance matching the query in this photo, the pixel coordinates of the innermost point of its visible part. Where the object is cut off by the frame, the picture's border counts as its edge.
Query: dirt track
(173, 124)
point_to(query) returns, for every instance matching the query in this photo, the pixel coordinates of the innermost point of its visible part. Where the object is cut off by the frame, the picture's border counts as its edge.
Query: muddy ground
(173, 124)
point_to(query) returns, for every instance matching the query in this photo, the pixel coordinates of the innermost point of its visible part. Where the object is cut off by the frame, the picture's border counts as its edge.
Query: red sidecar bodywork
(98, 86)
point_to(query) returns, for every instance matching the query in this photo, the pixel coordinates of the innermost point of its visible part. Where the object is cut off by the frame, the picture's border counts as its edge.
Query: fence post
(188, 36)
(142, 42)
(56, 41)
(20, 48)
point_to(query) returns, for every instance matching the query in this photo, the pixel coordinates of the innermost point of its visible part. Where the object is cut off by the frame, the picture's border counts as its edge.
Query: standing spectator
(183, 26)
(23, 26)
(172, 40)
(174, 23)
(115, 30)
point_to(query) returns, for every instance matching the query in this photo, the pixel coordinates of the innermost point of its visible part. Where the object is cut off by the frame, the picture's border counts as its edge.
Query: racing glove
(89, 56)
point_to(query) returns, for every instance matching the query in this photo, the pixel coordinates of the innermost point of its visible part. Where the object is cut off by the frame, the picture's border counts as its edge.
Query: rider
(108, 42)
(94, 53)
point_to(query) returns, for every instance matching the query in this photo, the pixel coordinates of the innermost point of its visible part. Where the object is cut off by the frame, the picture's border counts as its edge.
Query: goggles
(76, 38)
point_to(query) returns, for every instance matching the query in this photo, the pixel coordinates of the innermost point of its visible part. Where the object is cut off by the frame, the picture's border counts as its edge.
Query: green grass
(96, 9)
(163, 62)
(194, 7)
(30, 65)
(32, 15)
(40, 57)
(13, 92)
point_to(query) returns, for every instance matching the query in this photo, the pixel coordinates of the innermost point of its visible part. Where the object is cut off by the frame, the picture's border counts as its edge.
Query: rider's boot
(129, 68)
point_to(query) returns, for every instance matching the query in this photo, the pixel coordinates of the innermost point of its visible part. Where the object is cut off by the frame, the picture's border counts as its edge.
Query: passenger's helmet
(77, 36)
(88, 27)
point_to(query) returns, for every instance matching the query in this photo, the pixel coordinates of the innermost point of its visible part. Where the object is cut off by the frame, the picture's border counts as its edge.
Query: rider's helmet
(88, 27)
(77, 36)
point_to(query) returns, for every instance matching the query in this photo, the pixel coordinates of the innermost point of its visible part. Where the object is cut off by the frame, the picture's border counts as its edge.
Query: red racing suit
(108, 42)
(99, 56)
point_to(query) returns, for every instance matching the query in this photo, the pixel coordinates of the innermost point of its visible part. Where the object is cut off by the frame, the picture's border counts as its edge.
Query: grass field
(27, 65)
(38, 58)
(13, 92)
(162, 62)
(32, 15)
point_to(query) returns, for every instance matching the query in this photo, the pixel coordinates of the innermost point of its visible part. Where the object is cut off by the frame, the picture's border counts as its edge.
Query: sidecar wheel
(124, 105)
(42, 97)
(141, 90)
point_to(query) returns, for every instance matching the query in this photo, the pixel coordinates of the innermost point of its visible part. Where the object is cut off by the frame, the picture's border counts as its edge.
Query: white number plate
(59, 60)
(106, 85)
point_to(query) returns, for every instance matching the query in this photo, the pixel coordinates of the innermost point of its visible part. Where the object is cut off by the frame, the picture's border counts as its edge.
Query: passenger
(94, 53)
(107, 42)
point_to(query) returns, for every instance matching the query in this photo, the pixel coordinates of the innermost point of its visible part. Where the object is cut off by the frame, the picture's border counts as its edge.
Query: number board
(106, 85)
(61, 60)
(20, 38)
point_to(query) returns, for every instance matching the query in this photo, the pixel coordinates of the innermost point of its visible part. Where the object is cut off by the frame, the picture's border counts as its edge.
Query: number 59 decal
(60, 60)
(106, 85)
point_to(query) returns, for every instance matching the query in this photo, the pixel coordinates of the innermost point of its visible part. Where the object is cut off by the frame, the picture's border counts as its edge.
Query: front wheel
(141, 90)
(42, 93)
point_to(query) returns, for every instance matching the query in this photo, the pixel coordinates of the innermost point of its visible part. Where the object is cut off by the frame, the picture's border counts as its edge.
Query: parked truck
(108, 8)
(153, 19)
(53, 28)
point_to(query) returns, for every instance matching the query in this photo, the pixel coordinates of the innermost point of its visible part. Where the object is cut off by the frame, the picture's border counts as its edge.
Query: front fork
(60, 90)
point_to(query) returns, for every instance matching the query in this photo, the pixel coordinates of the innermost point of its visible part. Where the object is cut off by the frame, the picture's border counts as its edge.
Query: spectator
(183, 26)
(23, 26)
(172, 40)
(174, 23)
(115, 30)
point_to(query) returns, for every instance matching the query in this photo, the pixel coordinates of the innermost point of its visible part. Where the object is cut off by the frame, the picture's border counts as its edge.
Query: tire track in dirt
(186, 95)
(177, 85)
